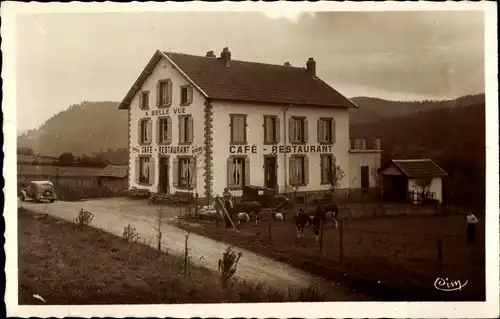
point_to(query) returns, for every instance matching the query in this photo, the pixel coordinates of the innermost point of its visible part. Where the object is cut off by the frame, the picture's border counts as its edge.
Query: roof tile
(419, 168)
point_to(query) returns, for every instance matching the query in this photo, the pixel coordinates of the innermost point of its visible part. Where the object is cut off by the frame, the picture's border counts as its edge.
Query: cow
(332, 211)
(277, 216)
(243, 218)
(301, 220)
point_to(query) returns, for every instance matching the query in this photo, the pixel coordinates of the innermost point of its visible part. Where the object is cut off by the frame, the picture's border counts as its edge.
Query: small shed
(412, 180)
(113, 177)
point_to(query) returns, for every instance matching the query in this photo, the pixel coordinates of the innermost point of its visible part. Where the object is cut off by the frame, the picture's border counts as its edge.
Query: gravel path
(112, 215)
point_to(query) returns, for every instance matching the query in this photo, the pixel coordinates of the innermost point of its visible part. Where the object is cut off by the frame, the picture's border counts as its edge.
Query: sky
(63, 59)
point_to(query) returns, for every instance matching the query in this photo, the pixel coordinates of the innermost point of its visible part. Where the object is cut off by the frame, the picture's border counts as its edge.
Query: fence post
(321, 236)
(341, 240)
(196, 206)
(439, 257)
(269, 231)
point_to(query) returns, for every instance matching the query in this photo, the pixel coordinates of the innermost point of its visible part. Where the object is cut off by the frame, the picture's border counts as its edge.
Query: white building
(215, 122)
(405, 178)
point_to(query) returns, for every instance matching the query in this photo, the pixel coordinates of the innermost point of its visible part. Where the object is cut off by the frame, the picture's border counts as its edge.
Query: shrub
(228, 265)
(84, 218)
(130, 234)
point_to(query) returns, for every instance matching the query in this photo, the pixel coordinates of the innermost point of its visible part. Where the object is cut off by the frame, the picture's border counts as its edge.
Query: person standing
(228, 205)
(471, 228)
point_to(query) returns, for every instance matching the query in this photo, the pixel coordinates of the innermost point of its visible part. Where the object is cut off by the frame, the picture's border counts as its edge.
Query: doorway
(164, 180)
(365, 177)
(270, 172)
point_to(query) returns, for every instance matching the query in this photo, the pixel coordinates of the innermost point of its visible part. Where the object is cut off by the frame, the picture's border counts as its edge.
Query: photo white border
(490, 308)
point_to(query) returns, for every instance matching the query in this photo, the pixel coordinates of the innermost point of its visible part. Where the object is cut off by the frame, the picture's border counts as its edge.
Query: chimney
(311, 68)
(287, 64)
(359, 144)
(225, 56)
(376, 144)
(210, 54)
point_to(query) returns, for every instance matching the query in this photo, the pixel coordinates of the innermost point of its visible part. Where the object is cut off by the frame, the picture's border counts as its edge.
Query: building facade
(204, 123)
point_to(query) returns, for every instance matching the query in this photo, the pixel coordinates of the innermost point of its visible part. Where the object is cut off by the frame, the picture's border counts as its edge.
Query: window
(184, 172)
(271, 129)
(144, 100)
(144, 170)
(185, 129)
(238, 172)
(327, 169)
(164, 130)
(164, 93)
(298, 130)
(238, 127)
(144, 131)
(326, 131)
(186, 95)
(299, 170)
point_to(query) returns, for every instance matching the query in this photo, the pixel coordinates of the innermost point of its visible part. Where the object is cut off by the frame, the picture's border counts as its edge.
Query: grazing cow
(278, 216)
(243, 218)
(333, 211)
(301, 220)
(318, 218)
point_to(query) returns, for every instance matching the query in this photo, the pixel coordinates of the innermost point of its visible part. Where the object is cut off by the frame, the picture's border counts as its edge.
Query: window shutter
(194, 172)
(291, 123)
(189, 95)
(158, 95)
(152, 170)
(159, 130)
(190, 130)
(306, 131)
(334, 168)
(140, 100)
(247, 171)
(278, 130)
(245, 129)
(320, 131)
(180, 125)
(230, 169)
(231, 135)
(139, 132)
(306, 170)
(169, 92)
(150, 131)
(175, 172)
(291, 170)
(137, 169)
(169, 130)
(322, 169)
(334, 132)
(266, 139)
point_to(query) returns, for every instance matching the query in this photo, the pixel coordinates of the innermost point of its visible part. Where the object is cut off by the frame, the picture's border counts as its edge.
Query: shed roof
(417, 168)
(118, 171)
(247, 81)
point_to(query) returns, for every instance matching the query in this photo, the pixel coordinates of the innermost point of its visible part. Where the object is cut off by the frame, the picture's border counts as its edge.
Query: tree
(334, 176)
(66, 159)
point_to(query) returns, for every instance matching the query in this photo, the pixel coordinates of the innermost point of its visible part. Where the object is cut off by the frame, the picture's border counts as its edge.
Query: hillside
(84, 128)
(372, 109)
(453, 137)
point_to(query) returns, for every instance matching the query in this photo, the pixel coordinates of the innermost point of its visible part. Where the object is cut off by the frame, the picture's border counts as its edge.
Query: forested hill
(85, 128)
(372, 109)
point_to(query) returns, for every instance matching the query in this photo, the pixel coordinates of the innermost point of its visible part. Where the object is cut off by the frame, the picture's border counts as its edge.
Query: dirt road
(112, 215)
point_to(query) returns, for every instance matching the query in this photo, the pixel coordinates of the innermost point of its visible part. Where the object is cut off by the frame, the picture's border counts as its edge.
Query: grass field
(388, 258)
(68, 266)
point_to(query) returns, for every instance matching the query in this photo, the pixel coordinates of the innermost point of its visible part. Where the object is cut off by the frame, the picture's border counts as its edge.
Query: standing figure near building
(228, 205)
(471, 228)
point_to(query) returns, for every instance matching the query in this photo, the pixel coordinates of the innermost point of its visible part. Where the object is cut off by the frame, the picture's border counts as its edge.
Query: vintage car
(256, 199)
(38, 191)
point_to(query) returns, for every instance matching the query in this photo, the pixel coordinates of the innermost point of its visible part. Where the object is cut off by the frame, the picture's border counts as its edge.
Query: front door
(270, 172)
(163, 186)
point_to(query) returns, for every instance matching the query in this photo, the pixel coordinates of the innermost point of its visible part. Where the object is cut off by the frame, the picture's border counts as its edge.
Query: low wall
(368, 210)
